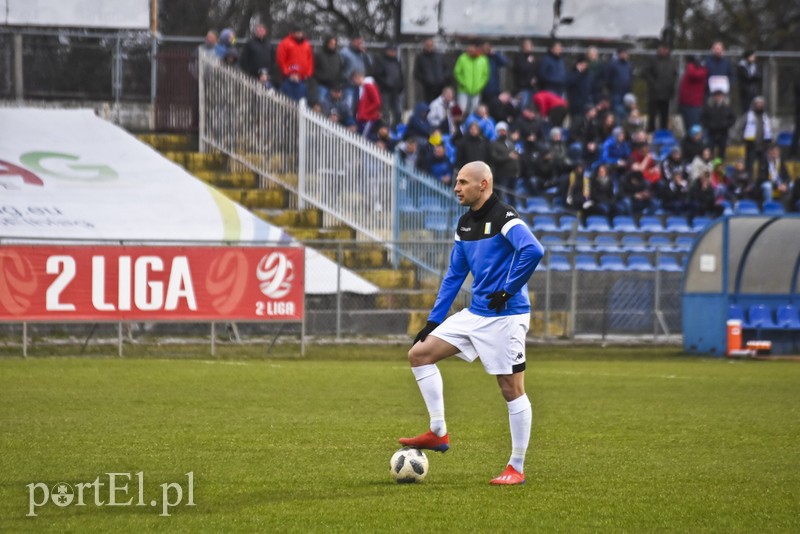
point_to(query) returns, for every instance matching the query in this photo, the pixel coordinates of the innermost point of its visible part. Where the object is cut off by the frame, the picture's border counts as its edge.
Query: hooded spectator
(257, 53)
(429, 71)
(327, 67)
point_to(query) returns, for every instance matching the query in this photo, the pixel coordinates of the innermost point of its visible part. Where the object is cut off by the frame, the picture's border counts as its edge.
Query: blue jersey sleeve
(451, 284)
(528, 253)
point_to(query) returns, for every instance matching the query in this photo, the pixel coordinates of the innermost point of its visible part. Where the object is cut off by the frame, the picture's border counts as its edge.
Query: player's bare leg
(519, 417)
(423, 357)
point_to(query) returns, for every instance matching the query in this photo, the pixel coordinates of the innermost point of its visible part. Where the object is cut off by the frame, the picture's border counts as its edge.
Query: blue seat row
(760, 316)
(647, 224)
(613, 262)
(628, 244)
(750, 207)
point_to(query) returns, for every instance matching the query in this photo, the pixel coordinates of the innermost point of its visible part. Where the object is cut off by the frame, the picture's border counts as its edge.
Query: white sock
(429, 380)
(519, 418)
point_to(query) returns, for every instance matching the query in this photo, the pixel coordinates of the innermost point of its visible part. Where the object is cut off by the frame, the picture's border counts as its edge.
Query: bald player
(496, 246)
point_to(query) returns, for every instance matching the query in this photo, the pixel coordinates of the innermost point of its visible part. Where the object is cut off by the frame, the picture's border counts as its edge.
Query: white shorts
(498, 341)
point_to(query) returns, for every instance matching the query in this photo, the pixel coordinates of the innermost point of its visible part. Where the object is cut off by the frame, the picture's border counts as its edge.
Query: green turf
(624, 440)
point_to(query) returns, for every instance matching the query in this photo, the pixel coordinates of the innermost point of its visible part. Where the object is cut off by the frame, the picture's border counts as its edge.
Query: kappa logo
(510, 214)
(465, 229)
(519, 357)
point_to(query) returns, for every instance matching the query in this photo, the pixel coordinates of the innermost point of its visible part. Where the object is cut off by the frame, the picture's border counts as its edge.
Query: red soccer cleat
(429, 441)
(509, 477)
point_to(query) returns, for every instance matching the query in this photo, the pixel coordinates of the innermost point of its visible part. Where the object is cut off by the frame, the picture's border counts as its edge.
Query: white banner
(122, 14)
(71, 175)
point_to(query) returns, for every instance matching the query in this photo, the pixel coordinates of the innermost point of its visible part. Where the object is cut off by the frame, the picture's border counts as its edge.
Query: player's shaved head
(477, 171)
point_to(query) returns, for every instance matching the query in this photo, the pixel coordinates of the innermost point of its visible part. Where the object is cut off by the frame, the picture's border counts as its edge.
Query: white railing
(348, 178)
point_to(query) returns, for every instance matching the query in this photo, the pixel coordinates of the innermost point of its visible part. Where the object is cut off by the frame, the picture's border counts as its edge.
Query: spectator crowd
(571, 131)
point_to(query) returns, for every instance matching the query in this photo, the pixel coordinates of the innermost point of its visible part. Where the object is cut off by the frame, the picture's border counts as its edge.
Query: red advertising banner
(117, 283)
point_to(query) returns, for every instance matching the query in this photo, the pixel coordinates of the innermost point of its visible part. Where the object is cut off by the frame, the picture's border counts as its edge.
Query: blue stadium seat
(634, 243)
(625, 223)
(746, 207)
(612, 262)
(559, 263)
(650, 223)
(544, 223)
(761, 317)
(585, 262)
(553, 243)
(660, 242)
(668, 264)
(735, 312)
(406, 205)
(699, 223)
(788, 317)
(535, 205)
(772, 208)
(640, 263)
(583, 244)
(597, 223)
(566, 222)
(784, 139)
(678, 224)
(606, 243)
(437, 221)
(429, 204)
(664, 138)
(684, 243)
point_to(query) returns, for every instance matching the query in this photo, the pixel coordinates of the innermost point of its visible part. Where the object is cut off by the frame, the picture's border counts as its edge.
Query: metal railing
(348, 178)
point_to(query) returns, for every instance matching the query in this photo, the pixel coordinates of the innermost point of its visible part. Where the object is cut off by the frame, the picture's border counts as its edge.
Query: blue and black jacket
(497, 247)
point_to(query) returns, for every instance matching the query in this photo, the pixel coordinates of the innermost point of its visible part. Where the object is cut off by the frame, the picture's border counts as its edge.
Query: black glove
(429, 327)
(497, 300)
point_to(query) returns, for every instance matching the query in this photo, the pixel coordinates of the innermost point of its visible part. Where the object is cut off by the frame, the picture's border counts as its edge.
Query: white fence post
(302, 111)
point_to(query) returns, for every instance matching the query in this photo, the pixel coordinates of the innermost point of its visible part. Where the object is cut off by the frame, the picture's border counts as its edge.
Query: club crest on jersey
(487, 228)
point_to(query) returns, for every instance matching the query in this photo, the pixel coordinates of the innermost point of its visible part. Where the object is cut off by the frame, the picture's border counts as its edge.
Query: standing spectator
(207, 49)
(388, 74)
(579, 89)
(368, 109)
(471, 73)
(597, 71)
(295, 55)
(354, 58)
(227, 41)
(257, 52)
(502, 108)
(749, 80)
(497, 61)
(660, 75)
(293, 86)
(524, 70)
(553, 71)
(429, 71)
(773, 177)
(327, 67)
(619, 78)
(471, 147)
(717, 118)
(440, 112)
(692, 92)
(504, 160)
(720, 72)
(418, 125)
(756, 133)
(615, 152)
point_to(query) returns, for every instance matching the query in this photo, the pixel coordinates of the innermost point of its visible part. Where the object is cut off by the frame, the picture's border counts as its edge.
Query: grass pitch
(624, 440)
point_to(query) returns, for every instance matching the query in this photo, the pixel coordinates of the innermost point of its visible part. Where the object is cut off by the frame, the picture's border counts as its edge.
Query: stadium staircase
(402, 289)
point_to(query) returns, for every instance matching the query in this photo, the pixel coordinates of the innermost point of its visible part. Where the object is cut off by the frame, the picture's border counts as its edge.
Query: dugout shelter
(747, 268)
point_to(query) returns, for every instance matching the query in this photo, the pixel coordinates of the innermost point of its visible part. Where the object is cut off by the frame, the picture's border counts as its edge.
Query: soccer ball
(408, 465)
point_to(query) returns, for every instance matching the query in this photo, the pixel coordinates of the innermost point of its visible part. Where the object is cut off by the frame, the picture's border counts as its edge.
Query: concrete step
(336, 233)
(246, 180)
(169, 142)
(390, 278)
(374, 257)
(257, 198)
(413, 299)
(311, 218)
(196, 161)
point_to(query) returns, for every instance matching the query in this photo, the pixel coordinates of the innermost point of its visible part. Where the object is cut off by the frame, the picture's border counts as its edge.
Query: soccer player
(494, 244)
